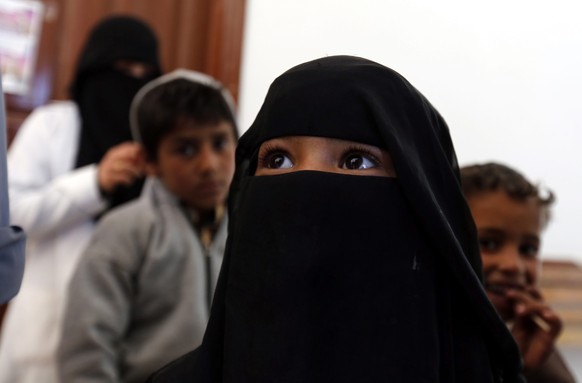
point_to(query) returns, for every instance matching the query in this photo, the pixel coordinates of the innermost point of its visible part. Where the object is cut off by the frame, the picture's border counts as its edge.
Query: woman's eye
(277, 161)
(359, 161)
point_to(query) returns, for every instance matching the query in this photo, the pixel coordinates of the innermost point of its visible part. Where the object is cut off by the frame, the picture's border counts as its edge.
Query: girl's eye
(277, 160)
(359, 161)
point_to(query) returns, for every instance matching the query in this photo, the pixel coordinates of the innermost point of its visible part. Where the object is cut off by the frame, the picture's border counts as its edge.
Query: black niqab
(340, 278)
(104, 94)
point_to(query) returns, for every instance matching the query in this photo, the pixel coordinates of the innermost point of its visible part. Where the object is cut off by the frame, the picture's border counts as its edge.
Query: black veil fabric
(302, 299)
(104, 94)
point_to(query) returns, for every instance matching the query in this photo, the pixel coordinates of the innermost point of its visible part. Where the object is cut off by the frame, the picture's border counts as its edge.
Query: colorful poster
(20, 28)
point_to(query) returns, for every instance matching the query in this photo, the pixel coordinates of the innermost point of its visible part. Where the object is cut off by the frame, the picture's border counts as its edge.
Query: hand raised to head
(121, 165)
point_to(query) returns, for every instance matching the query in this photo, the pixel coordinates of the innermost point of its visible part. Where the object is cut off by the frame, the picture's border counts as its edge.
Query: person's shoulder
(180, 370)
(121, 236)
(132, 215)
(56, 116)
(60, 105)
(146, 211)
(554, 370)
(58, 108)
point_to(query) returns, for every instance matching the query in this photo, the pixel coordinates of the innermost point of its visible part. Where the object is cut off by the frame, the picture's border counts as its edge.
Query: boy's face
(509, 237)
(196, 163)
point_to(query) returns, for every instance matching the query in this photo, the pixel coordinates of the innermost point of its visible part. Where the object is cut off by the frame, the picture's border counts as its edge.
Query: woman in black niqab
(103, 91)
(341, 278)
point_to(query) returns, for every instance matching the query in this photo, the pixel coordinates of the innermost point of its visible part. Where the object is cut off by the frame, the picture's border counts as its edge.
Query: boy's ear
(148, 166)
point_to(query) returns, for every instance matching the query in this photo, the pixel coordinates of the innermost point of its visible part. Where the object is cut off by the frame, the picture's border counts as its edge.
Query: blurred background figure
(510, 214)
(141, 294)
(11, 238)
(70, 162)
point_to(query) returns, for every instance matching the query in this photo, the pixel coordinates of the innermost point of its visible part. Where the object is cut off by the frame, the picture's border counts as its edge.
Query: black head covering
(104, 94)
(340, 278)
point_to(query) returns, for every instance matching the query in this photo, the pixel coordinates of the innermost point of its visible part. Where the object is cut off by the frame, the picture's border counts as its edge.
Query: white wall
(506, 75)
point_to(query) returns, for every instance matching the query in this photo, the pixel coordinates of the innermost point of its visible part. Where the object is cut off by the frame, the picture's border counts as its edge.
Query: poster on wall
(20, 28)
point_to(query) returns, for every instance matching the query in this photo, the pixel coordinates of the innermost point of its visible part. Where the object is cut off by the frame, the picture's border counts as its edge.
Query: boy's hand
(536, 327)
(121, 165)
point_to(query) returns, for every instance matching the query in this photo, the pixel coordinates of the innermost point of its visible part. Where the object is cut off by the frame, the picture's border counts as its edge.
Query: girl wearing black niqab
(334, 277)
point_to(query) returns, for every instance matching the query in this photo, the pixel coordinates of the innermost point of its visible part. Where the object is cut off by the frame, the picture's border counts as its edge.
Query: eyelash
(268, 152)
(271, 149)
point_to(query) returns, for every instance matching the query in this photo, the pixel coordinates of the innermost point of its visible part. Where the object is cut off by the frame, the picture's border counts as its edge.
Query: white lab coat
(55, 205)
